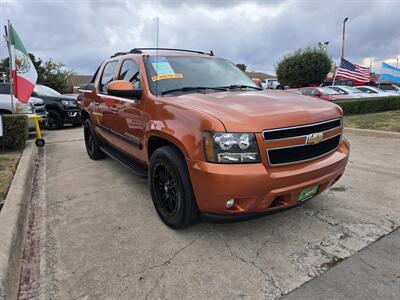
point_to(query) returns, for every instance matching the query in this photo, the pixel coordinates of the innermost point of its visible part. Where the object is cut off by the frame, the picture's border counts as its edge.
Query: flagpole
(380, 78)
(7, 36)
(334, 78)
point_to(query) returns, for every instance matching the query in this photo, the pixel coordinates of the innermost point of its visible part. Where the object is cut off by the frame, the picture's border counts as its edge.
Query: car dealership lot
(100, 237)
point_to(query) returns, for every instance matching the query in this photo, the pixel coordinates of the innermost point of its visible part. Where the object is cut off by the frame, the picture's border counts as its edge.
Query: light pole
(344, 31)
(323, 45)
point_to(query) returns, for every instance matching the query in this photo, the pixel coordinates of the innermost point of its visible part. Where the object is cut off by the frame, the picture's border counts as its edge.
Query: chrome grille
(298, 131)
(291, 144)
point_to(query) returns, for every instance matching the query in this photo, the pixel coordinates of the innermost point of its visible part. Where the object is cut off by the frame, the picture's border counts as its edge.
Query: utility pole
(343, 37)
(7, 37)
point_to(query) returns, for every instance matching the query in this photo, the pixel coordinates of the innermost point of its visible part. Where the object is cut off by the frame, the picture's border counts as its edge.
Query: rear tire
(92, 141)
(171, 188)
(55, 121)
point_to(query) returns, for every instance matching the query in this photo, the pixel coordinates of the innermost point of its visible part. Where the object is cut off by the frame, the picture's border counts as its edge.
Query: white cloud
(258, 33)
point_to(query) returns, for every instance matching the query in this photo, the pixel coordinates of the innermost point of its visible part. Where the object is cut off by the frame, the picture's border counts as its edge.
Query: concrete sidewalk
(373, 273)
(99, 237)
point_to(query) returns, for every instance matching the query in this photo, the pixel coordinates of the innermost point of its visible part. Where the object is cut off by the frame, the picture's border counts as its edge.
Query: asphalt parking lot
(95, 233)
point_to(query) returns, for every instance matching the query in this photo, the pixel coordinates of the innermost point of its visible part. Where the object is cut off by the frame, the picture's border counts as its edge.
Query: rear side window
(108, 75)
(367, 90)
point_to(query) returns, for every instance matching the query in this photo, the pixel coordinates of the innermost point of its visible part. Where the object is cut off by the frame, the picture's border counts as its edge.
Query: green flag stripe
(16, 41)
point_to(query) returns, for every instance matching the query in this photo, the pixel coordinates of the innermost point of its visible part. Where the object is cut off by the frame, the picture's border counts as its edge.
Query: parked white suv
(375, 91)
(350, 91)
(271, 83)
(34, 105)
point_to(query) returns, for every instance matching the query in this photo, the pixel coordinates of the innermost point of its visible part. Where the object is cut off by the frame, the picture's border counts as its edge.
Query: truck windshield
(43, 90)
(185, 72)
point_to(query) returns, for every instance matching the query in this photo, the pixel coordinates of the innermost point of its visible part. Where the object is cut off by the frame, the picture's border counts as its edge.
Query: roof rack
(140, 50)
(118, 54)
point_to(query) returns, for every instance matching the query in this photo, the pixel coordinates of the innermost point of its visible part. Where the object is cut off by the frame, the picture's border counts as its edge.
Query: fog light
(230, 203)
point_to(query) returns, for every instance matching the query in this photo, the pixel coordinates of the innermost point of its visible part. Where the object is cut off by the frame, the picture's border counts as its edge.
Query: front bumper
(260, 189)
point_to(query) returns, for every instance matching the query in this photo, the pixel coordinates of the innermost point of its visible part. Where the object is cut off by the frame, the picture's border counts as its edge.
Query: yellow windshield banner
(167, 76)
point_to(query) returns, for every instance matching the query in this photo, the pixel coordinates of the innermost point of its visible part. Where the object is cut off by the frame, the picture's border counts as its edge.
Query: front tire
(55, 121)
(92, 141)
(171, 188)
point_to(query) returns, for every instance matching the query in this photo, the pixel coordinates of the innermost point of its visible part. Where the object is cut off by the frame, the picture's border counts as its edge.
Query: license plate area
(308, 193)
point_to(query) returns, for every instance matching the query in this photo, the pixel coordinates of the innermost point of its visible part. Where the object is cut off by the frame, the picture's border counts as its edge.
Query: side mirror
(123, 88)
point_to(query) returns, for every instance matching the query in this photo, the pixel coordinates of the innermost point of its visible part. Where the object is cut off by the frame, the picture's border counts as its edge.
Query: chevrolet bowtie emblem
(314, 138)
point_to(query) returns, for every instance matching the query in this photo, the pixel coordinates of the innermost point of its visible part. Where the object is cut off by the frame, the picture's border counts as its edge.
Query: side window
(108, 76)
(340, 91)
(130, 72)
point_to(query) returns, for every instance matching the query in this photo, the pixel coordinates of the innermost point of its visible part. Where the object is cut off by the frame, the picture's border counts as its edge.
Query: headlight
(23, 108)
(69, 103)
(223, 147)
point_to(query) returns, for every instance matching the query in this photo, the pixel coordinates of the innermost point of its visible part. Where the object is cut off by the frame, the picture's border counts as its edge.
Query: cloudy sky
(81, 33)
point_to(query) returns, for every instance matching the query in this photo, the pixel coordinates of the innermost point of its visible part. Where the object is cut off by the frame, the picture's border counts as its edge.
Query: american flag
(353, 71)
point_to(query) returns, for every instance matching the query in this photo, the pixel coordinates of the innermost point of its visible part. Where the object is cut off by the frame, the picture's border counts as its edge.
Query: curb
(374, 133)
(13, 219)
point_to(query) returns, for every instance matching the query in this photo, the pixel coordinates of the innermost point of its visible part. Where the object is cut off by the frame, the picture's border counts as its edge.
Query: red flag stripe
(349, 76)
(345, 73)
(352, 73)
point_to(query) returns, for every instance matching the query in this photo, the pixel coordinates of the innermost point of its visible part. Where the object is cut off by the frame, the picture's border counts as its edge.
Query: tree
(242, 67)
(304, 67)
(54, 75)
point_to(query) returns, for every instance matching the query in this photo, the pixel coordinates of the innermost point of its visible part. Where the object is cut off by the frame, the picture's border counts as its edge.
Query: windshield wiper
(240, 86)
(193, 88)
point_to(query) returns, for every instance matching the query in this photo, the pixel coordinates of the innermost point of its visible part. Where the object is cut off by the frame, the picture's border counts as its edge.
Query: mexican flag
(23, 71)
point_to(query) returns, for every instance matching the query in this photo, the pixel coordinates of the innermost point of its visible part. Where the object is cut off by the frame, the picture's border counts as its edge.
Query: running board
(122, 158)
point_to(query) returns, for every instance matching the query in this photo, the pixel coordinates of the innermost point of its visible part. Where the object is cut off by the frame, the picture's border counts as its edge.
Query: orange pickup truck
(211, 142)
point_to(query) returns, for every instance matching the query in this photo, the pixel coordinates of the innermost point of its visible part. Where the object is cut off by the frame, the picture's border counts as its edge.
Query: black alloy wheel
(91, 142)
(165, 188)
(54, 122)
(171, 188)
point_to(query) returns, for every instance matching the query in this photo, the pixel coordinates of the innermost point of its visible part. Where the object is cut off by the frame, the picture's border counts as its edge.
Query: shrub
(369, 105)
(15, 131)
(304, 67)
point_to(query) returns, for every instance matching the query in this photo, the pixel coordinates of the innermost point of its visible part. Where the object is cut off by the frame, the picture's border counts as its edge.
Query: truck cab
(211, 142)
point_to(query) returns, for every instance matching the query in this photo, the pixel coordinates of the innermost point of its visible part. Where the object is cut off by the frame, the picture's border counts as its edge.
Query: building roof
(77, 80)
(260, 75)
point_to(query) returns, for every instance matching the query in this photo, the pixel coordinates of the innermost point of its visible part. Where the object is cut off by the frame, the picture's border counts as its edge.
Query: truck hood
(258, 110)
(36, 101)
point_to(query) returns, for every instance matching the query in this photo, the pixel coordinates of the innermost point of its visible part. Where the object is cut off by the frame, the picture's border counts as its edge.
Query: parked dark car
(37, 104)
(62, 109)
